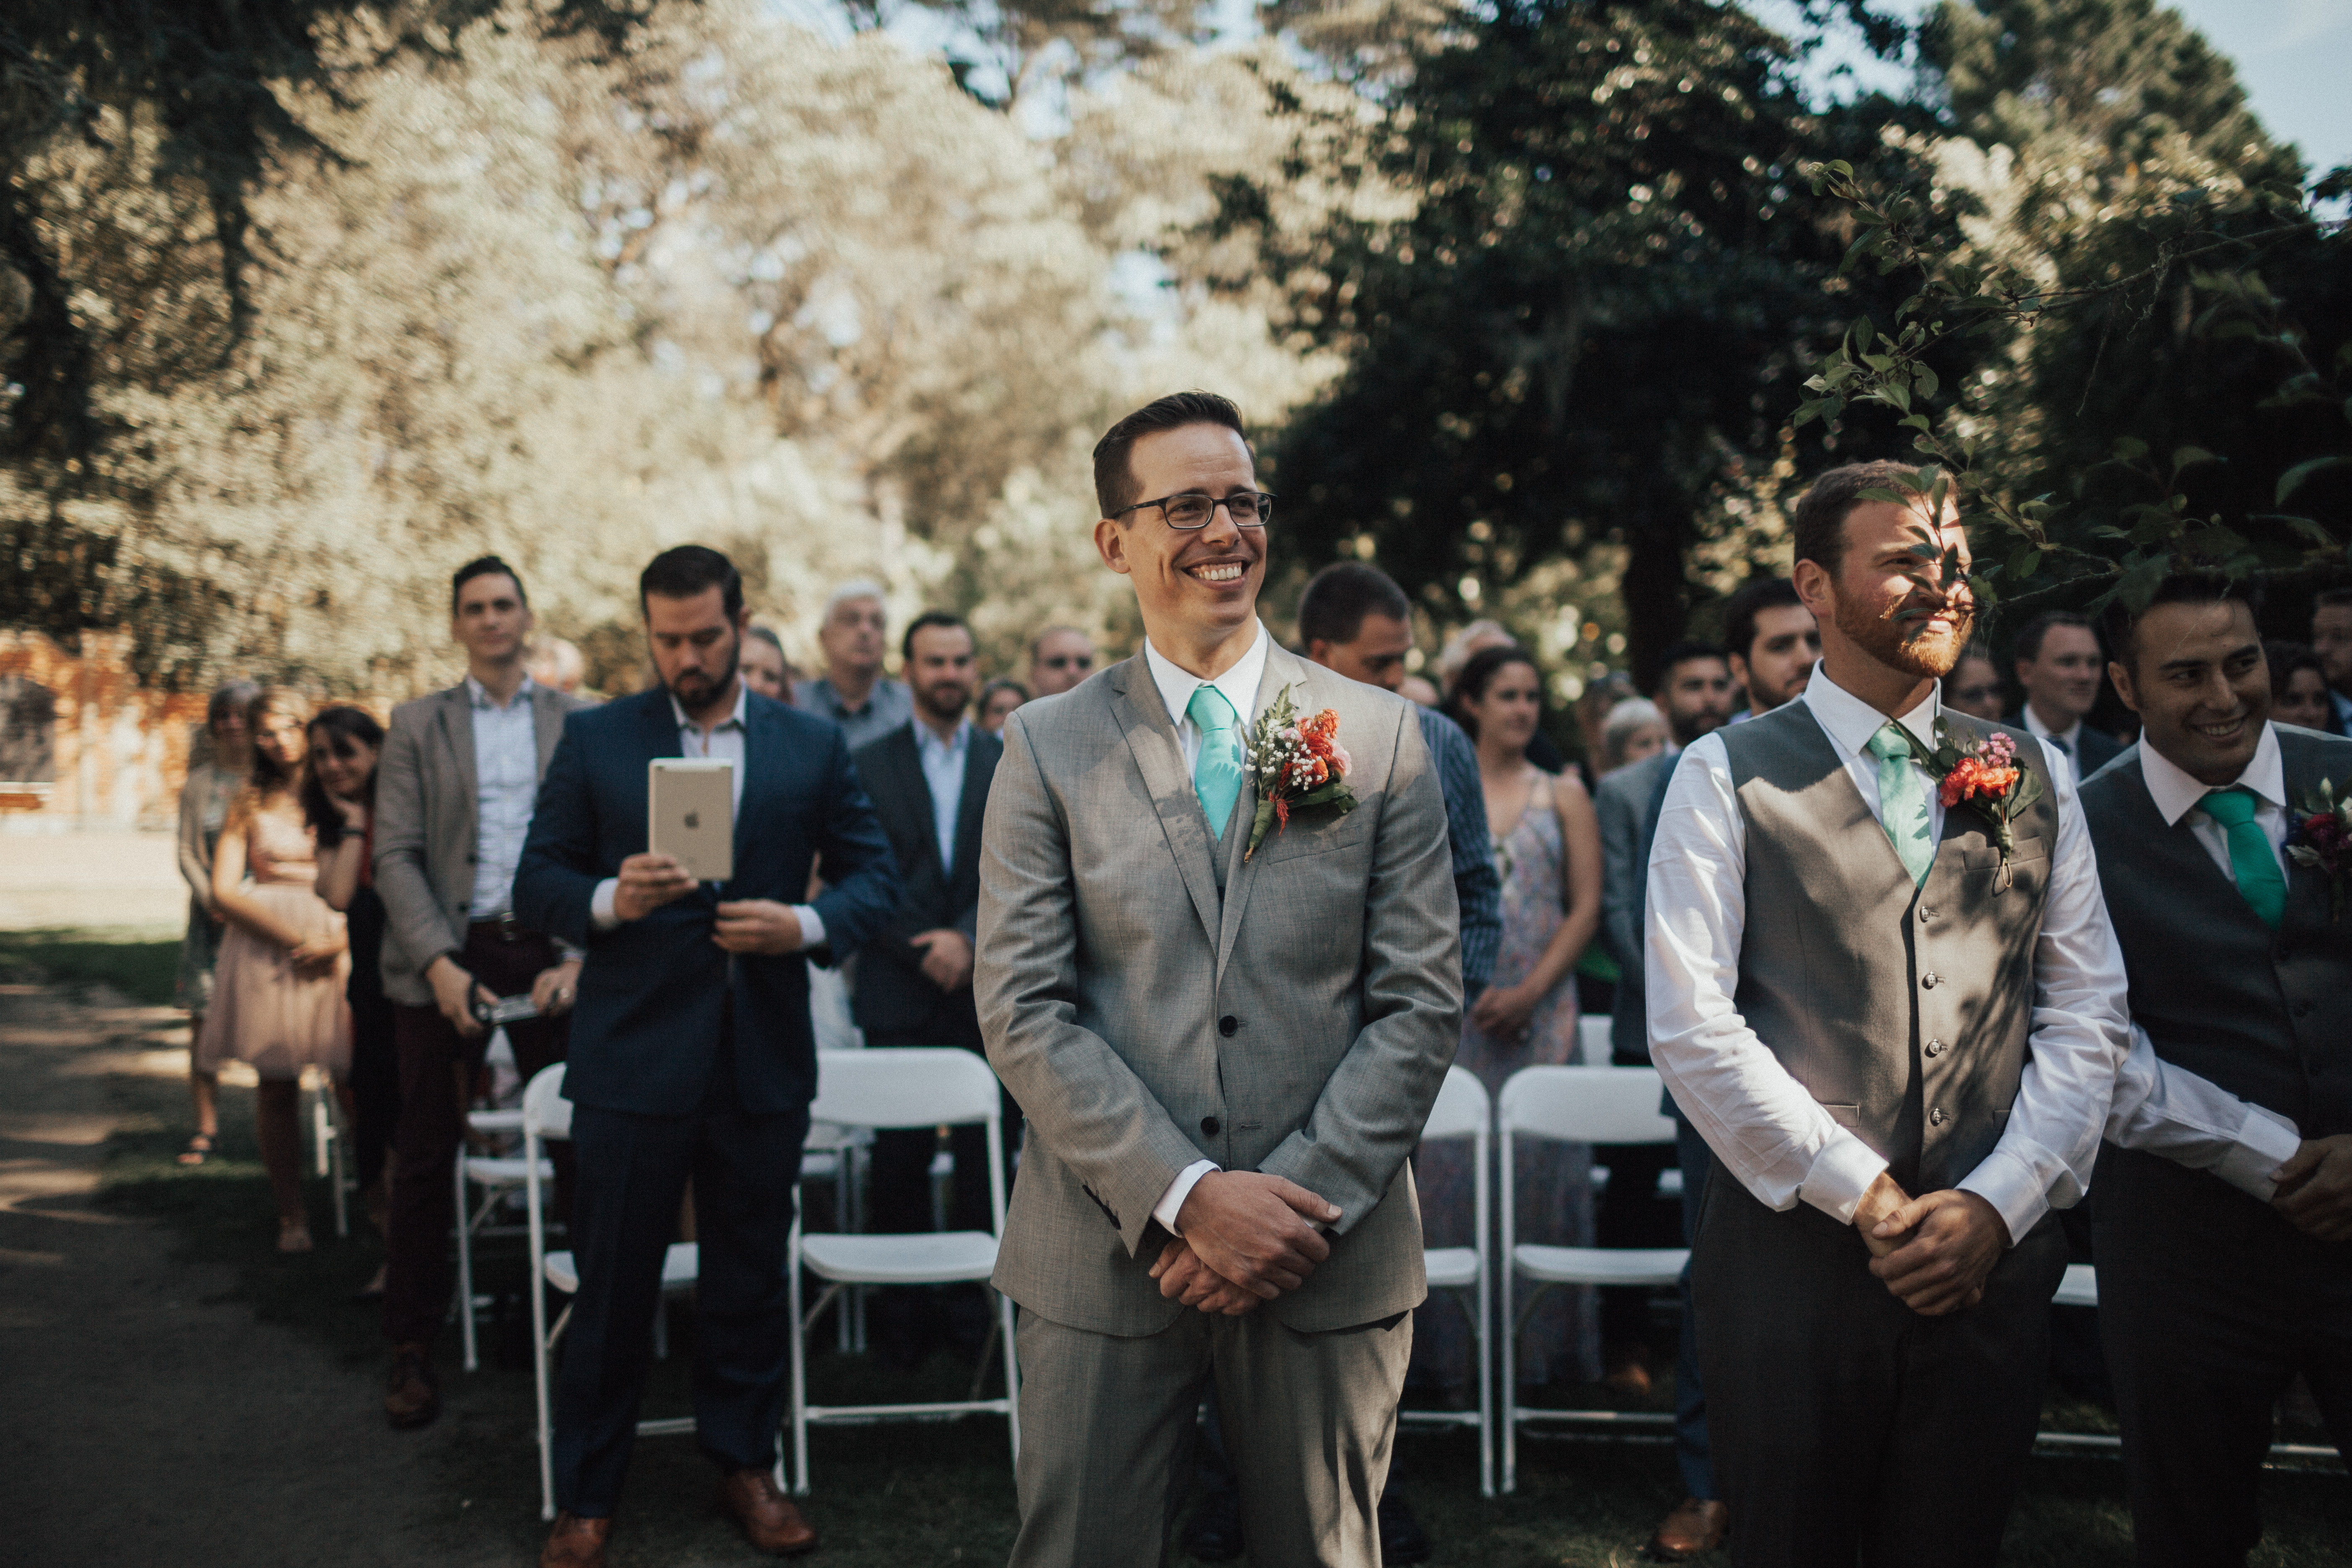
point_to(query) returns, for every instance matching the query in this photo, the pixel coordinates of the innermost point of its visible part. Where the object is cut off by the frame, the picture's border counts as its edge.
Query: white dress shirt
(723, 741)
(943, 774)
(1239, 687)
(1773, 1137)
(505, 787)
(2069, 741)
(2177, 795)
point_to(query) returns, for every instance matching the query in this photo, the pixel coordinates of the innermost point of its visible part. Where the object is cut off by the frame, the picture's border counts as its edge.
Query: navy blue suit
(689, 1062)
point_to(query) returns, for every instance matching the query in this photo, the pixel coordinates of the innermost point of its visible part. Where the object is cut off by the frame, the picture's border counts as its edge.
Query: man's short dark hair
(1339, 597)
(1114, 477)
(929, 618)
(1683, 653)
(485, 566)
(2332, 599)
(690, 571)
(1741, 612)
(2122, 624)
(1818, 526)
(2028, 646)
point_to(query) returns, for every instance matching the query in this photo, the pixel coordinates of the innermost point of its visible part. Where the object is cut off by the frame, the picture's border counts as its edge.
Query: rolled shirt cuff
(2010, 1186)
(1841, 1174)
(811, 926)
(1172, 1202)
(2266, 1141)
(600, 904)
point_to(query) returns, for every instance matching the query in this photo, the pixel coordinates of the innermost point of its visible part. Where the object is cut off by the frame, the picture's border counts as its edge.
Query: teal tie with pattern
(1902, 803)
(2252, 860)
(1217, 774)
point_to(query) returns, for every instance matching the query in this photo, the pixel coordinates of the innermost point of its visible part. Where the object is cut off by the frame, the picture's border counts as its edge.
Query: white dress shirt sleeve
(1172, 1202)
(1770, 1133)
(2167, 1110)
(2079, 1038)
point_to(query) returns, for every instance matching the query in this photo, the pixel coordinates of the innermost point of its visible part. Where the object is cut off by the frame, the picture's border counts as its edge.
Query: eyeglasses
(1069, 661)
(1193, 510)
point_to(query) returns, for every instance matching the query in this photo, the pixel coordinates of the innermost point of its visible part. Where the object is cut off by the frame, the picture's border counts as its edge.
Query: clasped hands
(646, 882)
(1248, 1237)
(2314, 1188)
(1933, 1252)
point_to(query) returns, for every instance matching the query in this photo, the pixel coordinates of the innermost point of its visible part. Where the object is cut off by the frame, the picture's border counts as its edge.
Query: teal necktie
(1217, 774)
(1902, 803)
(2252, 860)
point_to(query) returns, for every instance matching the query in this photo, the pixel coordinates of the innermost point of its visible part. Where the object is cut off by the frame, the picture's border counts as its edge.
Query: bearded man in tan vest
(1898, 1037)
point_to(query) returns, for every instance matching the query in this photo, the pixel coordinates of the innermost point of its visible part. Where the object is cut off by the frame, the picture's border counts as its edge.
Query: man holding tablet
(691, 1048)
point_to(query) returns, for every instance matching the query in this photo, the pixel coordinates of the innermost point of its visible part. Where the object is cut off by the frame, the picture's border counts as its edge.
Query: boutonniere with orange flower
(1296, 764)
(2319, 834)
(1986, 776)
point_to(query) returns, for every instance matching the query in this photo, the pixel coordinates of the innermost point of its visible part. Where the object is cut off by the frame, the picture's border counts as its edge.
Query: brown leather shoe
(1694, 1527)
(771, 1523)
(1629, 1372)
(575, 1542)
(412, 1398)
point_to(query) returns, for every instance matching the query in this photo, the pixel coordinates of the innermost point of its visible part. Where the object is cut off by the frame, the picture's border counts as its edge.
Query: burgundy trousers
(437, 1069)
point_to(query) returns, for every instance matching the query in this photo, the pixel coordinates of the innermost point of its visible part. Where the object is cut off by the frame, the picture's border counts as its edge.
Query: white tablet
(690, 814)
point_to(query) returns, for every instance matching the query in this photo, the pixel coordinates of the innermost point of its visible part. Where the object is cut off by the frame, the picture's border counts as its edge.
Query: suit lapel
(547, 724)
(907, 754)
(457, 728)
(1151, 738)
(1282, 668)
(973, 807)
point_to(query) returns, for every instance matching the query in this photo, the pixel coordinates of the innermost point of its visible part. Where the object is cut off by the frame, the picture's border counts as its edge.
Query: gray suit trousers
(1107, 1424)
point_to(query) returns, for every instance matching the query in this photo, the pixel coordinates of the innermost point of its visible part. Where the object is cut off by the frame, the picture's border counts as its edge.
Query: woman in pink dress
(277, 988)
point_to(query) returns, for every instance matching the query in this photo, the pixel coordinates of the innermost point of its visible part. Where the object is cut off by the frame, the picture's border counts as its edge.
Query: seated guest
(691, 1050)
(277, 989)
(997, 699)
(2224, 1192)
(1059, 658)
(212, 784)
(337, 799)
(1974, 686)
(766, 671)
(2298, 687)
(928, 782)
(1635, 731)
(852, 691)
(2058, 664)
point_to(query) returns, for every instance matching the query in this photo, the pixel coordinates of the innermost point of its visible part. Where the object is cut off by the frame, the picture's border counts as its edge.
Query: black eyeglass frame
(1264, 508)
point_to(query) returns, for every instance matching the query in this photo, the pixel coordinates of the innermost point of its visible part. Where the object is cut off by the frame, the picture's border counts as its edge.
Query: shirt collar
(928, 739)
(479, 695)
(2175, 793)
(742, 693)
(2040, 732)
(1851, 722)
(1238, 685)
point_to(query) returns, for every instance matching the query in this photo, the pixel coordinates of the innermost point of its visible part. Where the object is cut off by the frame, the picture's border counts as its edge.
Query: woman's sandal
(200, 1149)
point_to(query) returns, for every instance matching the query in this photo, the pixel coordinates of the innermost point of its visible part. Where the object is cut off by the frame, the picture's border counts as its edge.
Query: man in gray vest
(2224, 1240)
(1857, 996)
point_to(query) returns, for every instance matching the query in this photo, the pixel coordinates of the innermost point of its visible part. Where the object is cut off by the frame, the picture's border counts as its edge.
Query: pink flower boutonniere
(1296, 763)
(1986, 776)
(2319, 834)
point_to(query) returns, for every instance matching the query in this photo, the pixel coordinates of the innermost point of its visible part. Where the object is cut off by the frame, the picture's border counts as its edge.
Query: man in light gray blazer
(1225, 1057)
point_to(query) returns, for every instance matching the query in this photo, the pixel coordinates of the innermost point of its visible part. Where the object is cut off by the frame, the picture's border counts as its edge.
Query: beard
(945, 702)
(1921, 651)
(694, 689)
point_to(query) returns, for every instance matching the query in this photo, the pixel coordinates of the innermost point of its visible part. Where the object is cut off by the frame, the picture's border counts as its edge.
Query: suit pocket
(1984, 857)
(1304, 836)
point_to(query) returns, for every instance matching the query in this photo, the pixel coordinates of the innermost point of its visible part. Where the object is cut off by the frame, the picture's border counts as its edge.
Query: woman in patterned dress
(277, 989)
(1546, 842)
(214, 778)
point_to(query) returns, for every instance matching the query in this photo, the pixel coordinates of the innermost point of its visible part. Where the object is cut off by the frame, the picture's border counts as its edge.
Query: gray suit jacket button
(1927, 981)
(1937, 1116)
(1935, 1048)
(1209, 1125)
(1228, 1025)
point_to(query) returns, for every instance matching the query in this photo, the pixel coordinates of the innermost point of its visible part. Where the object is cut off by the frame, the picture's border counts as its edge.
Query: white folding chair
(2080, 1287)
(328, 1143)
(547, 1116)
(912, 1087)
(498, 1176)
(838, 1155)
(1596, 1043)
(1602, 1105)
(1463, 1110)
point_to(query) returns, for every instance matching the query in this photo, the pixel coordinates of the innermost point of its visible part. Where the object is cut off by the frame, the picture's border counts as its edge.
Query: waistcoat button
(1209, 1125)
(1228, 1025)
(1927, 981)
(1937, 1116)
(1935, 1048)
(1927, 915)
(2301, 1009)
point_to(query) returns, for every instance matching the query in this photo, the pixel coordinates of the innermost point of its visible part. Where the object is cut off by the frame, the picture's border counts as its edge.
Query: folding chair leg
(339, 1177)
(798, 1411)
(661, 1327)
(466, 1265)
(1012, 1374)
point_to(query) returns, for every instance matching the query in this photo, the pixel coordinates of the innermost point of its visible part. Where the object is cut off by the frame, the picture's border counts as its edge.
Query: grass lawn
(943, 1492)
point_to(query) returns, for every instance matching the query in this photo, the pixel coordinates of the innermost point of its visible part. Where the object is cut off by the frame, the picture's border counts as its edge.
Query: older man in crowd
(852, 691)
(1059, 658)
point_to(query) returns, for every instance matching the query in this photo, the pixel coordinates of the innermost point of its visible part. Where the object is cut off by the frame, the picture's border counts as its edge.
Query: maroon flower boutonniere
(1296, 763)
(2319, 834)
(1985, 777)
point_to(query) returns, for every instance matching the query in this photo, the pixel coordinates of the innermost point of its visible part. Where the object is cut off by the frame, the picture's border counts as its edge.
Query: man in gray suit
(455, 789)
(1858, 994)
(1225, 1056)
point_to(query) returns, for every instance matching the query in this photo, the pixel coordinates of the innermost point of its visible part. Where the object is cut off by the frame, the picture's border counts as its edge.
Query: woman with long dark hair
(339, 802)
(213, 779)
(278, 990)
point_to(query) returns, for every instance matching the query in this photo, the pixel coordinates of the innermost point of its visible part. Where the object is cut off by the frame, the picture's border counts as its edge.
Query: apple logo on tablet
(693, 820)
